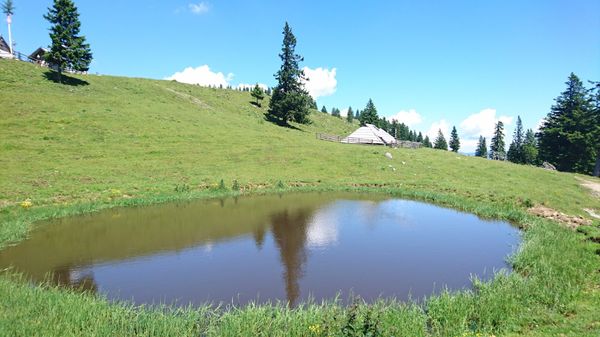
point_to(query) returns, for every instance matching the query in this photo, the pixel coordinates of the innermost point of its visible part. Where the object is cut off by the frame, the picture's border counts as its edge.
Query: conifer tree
(427, 142)
(290, 101)
(335, 112)
(440, 142)
(481, 150)
(350, 115)
(258, 94)
(420, 137)
(454, 140)
(515, 150)
(567, 138)
(369, 114)
(497, 146)
(68, 51)
(324, 109)
(595, 120)
(357, 114)
(529, 151)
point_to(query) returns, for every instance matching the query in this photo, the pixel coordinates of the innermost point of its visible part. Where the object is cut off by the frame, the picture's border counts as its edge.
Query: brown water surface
(266, 248)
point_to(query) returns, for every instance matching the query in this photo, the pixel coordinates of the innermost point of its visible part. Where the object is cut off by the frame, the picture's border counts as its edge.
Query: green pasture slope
(113, 141)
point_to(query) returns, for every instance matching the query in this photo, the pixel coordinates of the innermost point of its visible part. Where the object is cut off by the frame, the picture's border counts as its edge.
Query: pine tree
(515, 150)
(454, 140)
(497, 147)
(567, 138)
(350, 115)
(258, 94)
(290, 101)
(481, 150)
(529, 151)
(335, 112)
(68, 51)
(420, 137)
(427, 142)
(440, 142)
(357, 114)
(369, 114)
(324, 109)
(595, 120)
(9, 10)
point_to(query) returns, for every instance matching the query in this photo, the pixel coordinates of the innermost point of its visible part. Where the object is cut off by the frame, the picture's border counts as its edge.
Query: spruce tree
(567, 137)
(369, 114)
(497, 146)
(595, 120)
(515, 150)
(454, 140)
(290, 101)
(335, 112)
(324, 109)
(350, 115)
(357, 114)
(68, 51)
(258, 94)
(420, 137)
(481, 150)
(427, 142)
(440, 142)
(529, 151)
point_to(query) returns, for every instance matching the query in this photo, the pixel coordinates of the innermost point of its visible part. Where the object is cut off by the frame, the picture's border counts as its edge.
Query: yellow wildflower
(26, 203)
(316, 328)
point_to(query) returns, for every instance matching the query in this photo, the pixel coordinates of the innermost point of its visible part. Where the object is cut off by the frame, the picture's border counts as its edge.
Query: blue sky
(430, 63)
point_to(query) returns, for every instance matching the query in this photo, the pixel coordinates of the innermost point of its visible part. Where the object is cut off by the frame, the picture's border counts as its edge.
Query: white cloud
(199, 8)
(539, 124)
(483, 124)
(251, 86)
(344, 112)
(202, 76)
(410, 117)
(435, 127)
(321, 81)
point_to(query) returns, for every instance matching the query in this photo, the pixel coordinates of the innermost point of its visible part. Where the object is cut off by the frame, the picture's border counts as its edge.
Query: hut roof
(370, 134)
(3, 45)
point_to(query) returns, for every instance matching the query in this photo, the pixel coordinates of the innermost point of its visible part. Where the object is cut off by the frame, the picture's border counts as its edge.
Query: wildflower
(316, 328)
(26, 203)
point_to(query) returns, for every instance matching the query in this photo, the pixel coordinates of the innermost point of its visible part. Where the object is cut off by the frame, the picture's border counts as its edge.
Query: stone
(388, 155)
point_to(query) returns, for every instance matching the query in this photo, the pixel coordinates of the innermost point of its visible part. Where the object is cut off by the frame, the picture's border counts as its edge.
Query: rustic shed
(5, 49)
(370, 134)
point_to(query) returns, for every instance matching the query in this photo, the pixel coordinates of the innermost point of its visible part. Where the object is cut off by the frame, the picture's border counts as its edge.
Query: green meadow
(105, 142)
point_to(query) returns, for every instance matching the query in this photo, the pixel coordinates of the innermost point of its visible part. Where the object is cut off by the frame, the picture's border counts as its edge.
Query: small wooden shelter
(370, 134)
(5, 49)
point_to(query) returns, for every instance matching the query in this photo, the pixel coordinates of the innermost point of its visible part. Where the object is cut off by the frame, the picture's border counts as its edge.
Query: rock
(546, 165)
(388, 155)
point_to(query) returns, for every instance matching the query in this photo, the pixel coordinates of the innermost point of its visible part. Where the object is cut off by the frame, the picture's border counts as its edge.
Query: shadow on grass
(279, 122)
(64, 79)
(256, 104)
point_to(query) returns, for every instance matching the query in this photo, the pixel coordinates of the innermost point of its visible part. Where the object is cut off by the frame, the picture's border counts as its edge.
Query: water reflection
(265, 248)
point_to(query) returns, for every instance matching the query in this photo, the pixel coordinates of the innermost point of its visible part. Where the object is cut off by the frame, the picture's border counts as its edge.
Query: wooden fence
(355, 140)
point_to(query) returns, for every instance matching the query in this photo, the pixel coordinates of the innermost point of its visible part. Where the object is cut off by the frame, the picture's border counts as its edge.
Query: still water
(266, 248)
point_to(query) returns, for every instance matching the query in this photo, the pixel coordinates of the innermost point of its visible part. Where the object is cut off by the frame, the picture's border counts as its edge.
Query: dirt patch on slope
(568, 221)
(593, 186)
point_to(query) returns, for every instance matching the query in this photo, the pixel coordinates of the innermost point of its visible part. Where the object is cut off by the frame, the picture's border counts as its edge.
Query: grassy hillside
(121, 141)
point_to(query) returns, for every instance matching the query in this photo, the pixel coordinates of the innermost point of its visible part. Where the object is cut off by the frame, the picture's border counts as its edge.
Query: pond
(267, 248)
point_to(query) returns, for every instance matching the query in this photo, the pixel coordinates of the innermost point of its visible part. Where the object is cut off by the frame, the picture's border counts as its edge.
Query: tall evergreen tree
(258, 94)
(427, 142)
(335, 112)
(440, 142)
(454, 140)
(290, 101)
(529, 152)
(350, 115)
(420, 137)
(68, 51)
(369, 114)
(357, 114)
(481, 150)
(497, 146)
(515, 150)
(8, 9)
(567, 138)
(595, 119)
(324, 110)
